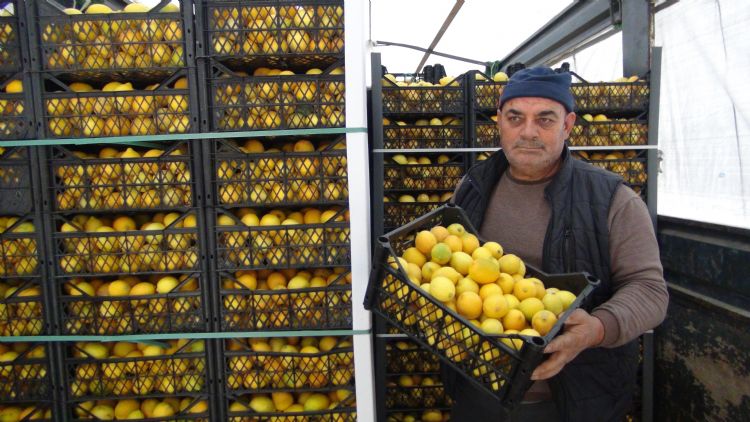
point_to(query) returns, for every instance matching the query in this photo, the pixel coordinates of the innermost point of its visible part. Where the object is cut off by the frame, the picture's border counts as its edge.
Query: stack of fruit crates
(484, 93)
(25, 303)
(25, 368)
(167, 381)
(269, 379)
(126, 248)
(16, 116)
(613, 115)
(273, 64)
(414, 389)
(279, 205)
(426, 118)
(127, 251)
(104, 72)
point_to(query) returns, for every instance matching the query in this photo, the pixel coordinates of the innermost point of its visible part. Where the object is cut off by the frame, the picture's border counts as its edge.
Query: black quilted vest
(598, 384)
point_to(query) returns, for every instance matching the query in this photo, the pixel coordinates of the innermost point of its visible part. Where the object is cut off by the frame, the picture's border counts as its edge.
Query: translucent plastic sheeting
(600, 62)
(482, 30)
(704, 125)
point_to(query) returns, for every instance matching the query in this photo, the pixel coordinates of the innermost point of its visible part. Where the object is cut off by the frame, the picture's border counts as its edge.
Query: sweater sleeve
(640, 298)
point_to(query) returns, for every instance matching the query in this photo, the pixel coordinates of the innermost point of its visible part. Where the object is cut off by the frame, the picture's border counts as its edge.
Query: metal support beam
(637, 36)
(439, 35)
(577, 24)
(653, 133)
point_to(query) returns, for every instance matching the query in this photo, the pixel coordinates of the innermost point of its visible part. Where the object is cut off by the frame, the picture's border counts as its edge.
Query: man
(562, 215)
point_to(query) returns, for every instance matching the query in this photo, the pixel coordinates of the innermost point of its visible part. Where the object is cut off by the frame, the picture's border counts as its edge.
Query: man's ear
(570, 121)
(497, 124)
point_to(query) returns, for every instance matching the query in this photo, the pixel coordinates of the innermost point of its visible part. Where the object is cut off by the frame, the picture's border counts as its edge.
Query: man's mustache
(529, 143)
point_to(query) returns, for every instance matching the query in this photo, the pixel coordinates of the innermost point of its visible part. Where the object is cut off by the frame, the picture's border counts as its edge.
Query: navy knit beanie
(539, 82)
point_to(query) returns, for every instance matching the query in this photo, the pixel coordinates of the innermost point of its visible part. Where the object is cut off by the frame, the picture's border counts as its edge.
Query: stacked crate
(308, 378)
(414, 389)
(16, 115)
(113, 73)
(279, 205)
(612, 128)
(422, 122)
(126, 380)
(484, 94)
(25, 303)
(127, 258)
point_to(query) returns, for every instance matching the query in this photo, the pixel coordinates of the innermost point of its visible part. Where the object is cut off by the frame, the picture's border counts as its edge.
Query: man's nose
(529, 129)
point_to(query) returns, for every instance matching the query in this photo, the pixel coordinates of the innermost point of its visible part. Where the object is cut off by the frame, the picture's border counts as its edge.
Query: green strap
(181, 137)
(156, 338)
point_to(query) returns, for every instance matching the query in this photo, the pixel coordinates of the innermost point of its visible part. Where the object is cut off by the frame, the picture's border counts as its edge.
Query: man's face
(532, 132)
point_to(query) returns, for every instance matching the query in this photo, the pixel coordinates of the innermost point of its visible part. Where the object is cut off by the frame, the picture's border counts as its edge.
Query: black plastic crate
(629, 164)
(502, 370)
(609, 133)
(419, 98)
(32, 410)
(431, 177)
(297, 101)
(402, 135)
(23, 303)
(136, 43)
(195, 409)
(242, 247)
(486, 134)
(400, 398)
(413, 359)
(239, 411)
(611, 97)
(146, 307)
(243, 178)
(249, 368)
(158, 249)
(122, 178)
(10, 37)
(16, 184)
(397, 214)
(425, 415)
(82, 110)
(486, 92)
(26, 375)
(125, 370)
(19, 248)
(15, 107)
(23, 310)
(243, 308)
(274, 33)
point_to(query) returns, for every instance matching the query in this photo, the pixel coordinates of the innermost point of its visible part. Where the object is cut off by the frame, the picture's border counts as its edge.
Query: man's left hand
(581, 332)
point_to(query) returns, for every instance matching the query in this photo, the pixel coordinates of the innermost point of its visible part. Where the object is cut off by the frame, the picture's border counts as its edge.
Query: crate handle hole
(539, 341)
(591, 279)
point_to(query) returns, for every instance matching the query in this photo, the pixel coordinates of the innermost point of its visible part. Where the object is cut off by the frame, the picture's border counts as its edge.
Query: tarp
(704, 125)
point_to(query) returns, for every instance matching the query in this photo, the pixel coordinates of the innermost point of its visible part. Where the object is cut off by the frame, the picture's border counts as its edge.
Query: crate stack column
(25, 298)
(280, 220)
(414, 386)
(420, 139)
(612, 131)
(124, 216)
(483, 94)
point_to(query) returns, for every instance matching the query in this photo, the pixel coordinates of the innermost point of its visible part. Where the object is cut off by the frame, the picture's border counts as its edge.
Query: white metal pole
(356, 22)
